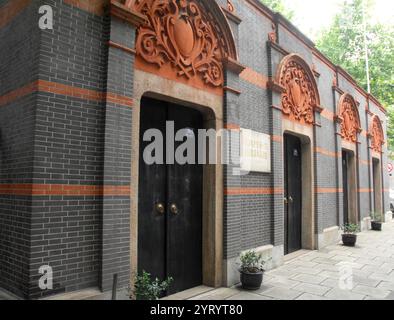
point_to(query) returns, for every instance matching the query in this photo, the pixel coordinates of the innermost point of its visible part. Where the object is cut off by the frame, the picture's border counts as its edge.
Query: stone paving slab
(5, 295)
(312, 275)
(320, 275)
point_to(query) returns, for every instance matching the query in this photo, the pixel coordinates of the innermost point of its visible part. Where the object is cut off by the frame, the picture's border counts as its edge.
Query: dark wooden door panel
(170, 244)
(345, 170)
(152, 191)
(293, 194)
(185, 192)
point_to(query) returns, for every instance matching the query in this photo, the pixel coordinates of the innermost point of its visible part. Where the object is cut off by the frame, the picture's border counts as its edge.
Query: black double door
(170, 199)
(293, 193)
(345, 179)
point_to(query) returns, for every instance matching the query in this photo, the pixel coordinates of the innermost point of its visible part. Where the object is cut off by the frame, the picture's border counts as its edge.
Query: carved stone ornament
(178, 32)
(230, 6)
(350, 120)
(376, 134)
(272, 35)
(301, 97)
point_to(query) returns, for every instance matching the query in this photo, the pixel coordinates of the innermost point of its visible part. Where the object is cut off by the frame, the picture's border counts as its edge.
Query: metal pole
(114, 286)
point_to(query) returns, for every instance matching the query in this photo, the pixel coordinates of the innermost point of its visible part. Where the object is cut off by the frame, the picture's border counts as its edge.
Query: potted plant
(145, 288)
(251, 270)
(349, 236)
(376, 223)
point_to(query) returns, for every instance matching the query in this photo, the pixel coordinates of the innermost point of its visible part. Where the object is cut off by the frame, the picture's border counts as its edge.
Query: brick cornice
(231, 16)
(233, 65)
(126, 14)
(121, 47)
(275, 87)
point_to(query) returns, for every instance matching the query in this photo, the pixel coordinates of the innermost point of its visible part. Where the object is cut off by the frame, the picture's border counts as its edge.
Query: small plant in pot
(251, 270)
(349, 236)
(146, 288)
(376, 223)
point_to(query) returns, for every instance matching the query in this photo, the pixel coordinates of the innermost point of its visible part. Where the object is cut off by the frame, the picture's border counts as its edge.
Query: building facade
(76, 99)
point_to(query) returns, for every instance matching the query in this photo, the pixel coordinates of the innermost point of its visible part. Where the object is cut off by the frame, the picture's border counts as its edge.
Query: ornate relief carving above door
(376, 134)
(349, 118)
(184, 35)
(300, 98)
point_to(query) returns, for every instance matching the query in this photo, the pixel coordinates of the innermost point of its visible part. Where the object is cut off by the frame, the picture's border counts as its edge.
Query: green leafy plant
(376, 216)
(145, 288)
(252, 262)
(351, 228)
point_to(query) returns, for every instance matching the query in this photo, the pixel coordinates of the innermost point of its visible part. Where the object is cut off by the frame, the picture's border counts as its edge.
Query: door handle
(160, 208)
(291, 199)
(174, 209)
(285, 200)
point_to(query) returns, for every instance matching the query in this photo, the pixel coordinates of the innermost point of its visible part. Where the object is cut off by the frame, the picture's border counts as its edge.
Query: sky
(311, 16)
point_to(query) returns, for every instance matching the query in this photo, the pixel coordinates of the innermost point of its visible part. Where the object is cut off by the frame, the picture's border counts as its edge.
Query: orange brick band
(327, 152)
(91, 190)
(365, 190)
(11, 10)
(328, 190)
(253, 191)
(63, 190)
(93, 6)
(232, 126)
(254, 77)
(62, 89)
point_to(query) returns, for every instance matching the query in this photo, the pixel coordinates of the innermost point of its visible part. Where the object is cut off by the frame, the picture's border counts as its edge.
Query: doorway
(293, 193)
(170, 200)
(345, 176)
(350, 187)
(377, 186)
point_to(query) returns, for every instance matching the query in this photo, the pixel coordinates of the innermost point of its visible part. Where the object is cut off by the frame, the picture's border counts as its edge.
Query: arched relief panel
(184, 40)
(376, 134)
(300, 96)
(349, 118)
(296, 96)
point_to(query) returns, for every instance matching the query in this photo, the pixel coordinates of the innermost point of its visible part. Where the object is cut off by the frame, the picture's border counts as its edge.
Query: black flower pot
(376, 226)
(349, 240)
(251, 281)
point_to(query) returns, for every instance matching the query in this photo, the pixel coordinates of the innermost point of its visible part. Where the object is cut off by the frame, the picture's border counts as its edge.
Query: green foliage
(279, 6)
(252, 262)
(351, 228)
(147, 289)
(376, 216)
(343, 43)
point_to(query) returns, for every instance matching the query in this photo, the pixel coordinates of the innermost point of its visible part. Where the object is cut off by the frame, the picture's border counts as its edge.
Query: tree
(279, 6)
(343, 43)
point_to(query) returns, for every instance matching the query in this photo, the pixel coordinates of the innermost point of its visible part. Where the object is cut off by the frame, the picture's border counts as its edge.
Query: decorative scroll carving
(180, 33)
(335, 81)
(272, 35)
(350, 119)
(301, 97)
(376, 134)
(230, 6)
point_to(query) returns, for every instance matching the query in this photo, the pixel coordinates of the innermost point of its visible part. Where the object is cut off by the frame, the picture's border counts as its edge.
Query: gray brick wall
(18, 67)
(48, 138)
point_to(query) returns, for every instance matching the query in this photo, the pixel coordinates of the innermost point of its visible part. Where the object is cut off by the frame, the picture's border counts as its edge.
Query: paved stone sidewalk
(310, 275)
(314, 275)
